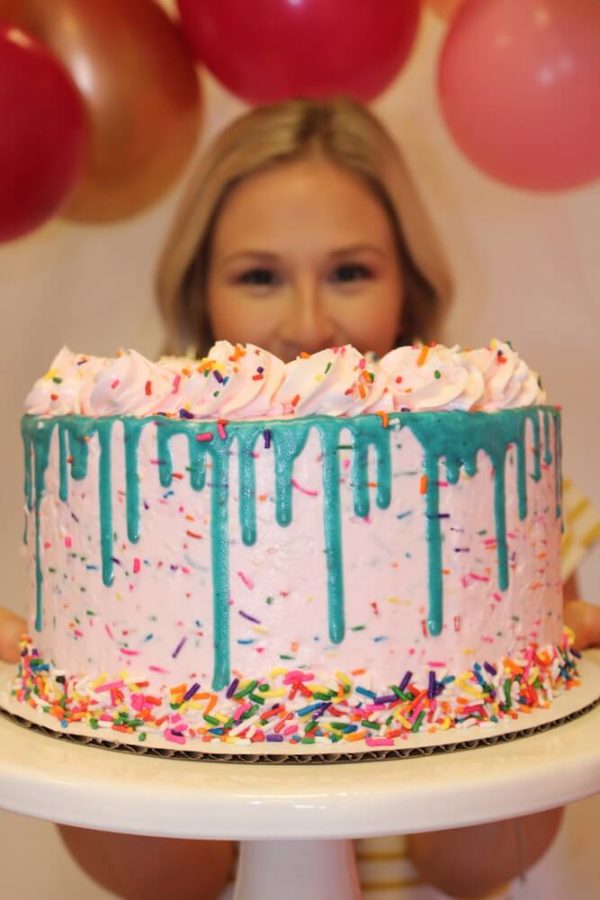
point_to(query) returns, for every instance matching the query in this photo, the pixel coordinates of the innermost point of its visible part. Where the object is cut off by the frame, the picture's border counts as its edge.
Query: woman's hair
(340, 131)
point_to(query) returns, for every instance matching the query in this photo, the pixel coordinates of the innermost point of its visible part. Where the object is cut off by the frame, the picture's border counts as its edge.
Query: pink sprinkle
(436, 664)
(457, 623)
(304, 490)
(109, 686)
(297, 675)
(68, 542)
(221, 431)
(490, 542)
(176, 383)
(129, 652)
(487, 639)
(159, 670)
(204, 437)
(115, 383)
(497, 596)
(379, 742)
(247, 581)
(136, 566)
(175, 738)
(138, 701)
(77, 632)
(47, 545)
(291, 729)
(239, 712)
(109, 632)
(477, 577)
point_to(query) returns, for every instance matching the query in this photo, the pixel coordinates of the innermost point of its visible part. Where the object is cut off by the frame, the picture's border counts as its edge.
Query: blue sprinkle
(306, 710)
(366, 693)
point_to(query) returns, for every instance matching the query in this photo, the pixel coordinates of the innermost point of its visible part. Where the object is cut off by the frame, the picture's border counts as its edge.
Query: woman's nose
(306, 327)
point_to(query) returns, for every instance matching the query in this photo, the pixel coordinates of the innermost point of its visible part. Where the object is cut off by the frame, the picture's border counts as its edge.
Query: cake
(338, 551)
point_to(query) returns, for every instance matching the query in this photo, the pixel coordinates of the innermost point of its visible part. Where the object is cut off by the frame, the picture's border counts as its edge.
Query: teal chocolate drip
(547, 451)
(63, 488)
(289, 440)
(104, 430)
(333, 529)
(247, 439)
(132, 430)
(456, 439)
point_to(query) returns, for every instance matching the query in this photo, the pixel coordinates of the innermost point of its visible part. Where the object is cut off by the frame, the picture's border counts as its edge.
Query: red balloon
(275, 49)
(43, 134)
(519, 83)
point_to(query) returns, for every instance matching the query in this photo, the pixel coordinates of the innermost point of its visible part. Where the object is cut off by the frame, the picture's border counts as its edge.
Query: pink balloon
(269, 50)
(519, 83)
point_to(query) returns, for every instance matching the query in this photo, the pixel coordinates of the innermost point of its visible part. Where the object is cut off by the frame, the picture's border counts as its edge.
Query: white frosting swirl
(436, 377)
(508, 380)
(60, 391)
(336, 382)
(129, 384)
(236, 381)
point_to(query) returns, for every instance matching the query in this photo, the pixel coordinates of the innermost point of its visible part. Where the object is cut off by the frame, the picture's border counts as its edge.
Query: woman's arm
(472, 862)
(147, 868)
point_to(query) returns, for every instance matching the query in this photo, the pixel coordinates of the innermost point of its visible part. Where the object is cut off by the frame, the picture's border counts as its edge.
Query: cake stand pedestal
(295, 820)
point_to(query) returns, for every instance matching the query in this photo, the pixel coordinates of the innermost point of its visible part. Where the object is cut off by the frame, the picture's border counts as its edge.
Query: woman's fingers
(12, 627)
(584, 619)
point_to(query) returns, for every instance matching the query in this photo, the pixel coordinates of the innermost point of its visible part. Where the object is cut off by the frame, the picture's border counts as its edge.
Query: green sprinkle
(437, 374)
(417, 723)
(142, 736)
(375, 725)
(211, 720)
(247, 690)
(507, 687)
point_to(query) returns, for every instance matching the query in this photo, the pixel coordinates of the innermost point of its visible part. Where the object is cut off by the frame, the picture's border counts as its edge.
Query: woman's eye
(350, 272)
(258, 277)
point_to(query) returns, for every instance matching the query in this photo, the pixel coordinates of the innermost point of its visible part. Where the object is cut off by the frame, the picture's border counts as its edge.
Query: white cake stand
(295, 821)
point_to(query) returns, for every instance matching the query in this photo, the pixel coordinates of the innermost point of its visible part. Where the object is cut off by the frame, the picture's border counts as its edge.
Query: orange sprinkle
(422, 355)
(296, 400)
(148, 388)
(304, 355)
(384, 418)
(358, 671)
(423, 484)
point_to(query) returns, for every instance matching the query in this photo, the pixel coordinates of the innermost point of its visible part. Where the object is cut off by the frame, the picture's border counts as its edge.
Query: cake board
(298, 819)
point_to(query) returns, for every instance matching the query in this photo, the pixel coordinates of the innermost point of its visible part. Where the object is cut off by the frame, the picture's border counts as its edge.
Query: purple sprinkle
(232, 688)
(267, 437)
(260, 369)
(249, 617)
(177, 649)
(462, 549)
(439, 688)
(388, 698)
(184, 414)
(218, 376)
(405, 409)
(405, 680)
(437, 515)
(116, 561)
(191, 691)
(490, 668)
(274, 737)
(431, 687)
(74, 517)
(322, 709)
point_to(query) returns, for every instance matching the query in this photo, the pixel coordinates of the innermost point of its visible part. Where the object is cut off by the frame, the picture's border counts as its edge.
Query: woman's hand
(583, 618)
(12, 627)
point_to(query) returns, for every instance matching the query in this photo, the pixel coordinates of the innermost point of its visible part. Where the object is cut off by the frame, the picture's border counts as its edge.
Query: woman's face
(303, 258)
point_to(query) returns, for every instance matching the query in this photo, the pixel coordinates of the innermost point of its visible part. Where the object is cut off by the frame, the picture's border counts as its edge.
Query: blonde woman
(302, 230)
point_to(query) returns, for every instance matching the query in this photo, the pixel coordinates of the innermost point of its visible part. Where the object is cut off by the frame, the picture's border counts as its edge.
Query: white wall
(526, 267)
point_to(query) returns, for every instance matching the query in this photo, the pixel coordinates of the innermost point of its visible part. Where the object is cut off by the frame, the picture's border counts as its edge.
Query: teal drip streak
(80, 431)
(104, 430)
(197, 463)
(247, 472)
(288, 440)
(360, 475)
(522, 472)
(329, 432)
(558, 461)
(547, 453)
(63, 487)
(132, 430)
(220, 561)
(164, 432)
(42, 437)
(499, 462)
(537, 450)
(27, 461)
(435, 619)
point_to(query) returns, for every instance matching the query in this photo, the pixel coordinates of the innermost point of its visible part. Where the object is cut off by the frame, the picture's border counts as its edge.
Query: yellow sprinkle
(258, 629)
(533, 675)
(445, 724)
(275, 673)
(341, 676)
(392, 599)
